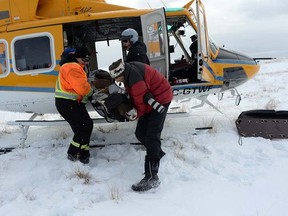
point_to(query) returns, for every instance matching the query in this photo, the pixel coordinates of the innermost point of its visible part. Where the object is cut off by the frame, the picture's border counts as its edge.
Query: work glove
(98, 96)
(149, 99)
(131, 114)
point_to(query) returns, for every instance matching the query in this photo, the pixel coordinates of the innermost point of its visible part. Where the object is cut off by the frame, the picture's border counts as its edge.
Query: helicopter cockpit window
(180, 31)
(33, 54)
(183, 68)
(4, 59)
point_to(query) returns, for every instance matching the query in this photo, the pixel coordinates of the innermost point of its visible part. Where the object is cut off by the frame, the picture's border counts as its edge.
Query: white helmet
(130, 34)
(116, 68)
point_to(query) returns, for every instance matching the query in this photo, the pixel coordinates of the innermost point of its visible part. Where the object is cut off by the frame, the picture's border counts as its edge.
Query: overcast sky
(249, 26)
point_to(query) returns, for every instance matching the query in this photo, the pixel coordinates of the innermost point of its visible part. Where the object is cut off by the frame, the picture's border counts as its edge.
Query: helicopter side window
(4, 59)
(33, 54)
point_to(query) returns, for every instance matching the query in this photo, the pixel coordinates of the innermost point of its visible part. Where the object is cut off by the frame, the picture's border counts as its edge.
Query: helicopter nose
(235, 76)
(237, 68)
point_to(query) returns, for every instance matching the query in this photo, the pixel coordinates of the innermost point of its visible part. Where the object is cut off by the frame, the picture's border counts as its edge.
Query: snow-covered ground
(202, 175)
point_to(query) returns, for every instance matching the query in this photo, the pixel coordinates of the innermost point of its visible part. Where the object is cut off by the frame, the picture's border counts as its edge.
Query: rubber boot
(151, 180)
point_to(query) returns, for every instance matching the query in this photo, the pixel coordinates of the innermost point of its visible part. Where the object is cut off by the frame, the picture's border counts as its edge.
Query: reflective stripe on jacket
(72, 83)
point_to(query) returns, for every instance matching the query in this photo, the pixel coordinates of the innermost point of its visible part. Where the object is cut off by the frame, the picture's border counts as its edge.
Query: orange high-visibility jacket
(72, 83)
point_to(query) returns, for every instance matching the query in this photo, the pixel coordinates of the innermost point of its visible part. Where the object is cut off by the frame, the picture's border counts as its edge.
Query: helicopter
(33, 35)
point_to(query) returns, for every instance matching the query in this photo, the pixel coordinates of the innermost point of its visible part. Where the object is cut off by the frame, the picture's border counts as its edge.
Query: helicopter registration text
(191, 90)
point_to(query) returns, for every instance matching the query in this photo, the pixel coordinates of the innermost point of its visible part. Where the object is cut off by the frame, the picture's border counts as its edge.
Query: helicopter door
(202, 35)
(156, 38)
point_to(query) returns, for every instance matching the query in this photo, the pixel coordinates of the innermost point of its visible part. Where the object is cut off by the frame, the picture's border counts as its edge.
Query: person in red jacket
(151, 95)
(71, 94)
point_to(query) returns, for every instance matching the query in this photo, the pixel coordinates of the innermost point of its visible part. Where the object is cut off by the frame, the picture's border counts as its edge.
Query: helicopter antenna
(149, 5)
(163, 3)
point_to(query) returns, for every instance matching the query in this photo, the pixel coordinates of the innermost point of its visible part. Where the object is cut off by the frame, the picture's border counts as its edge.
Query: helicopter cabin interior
(102, 35)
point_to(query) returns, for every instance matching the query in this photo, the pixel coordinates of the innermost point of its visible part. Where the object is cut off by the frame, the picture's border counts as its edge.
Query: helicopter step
(102, 145)
(99, 144)
(25, 124)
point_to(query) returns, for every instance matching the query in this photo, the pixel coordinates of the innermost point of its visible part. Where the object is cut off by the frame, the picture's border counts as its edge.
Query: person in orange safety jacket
(71, 94)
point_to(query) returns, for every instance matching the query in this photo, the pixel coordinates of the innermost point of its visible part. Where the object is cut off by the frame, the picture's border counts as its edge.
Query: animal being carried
(110, 99)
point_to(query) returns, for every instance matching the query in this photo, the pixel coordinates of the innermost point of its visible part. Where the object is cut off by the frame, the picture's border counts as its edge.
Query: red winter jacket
(140, 79)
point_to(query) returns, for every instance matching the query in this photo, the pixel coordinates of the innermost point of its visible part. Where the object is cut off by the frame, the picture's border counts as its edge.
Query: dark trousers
(79, 120)
(148, 132)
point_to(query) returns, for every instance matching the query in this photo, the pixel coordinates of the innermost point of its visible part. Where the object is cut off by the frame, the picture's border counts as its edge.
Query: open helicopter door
(156, 38)
(202, 35)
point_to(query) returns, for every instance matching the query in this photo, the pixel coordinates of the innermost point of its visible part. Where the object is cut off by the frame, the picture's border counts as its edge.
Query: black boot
(74, 154)
(84, 156)
(151, 179)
